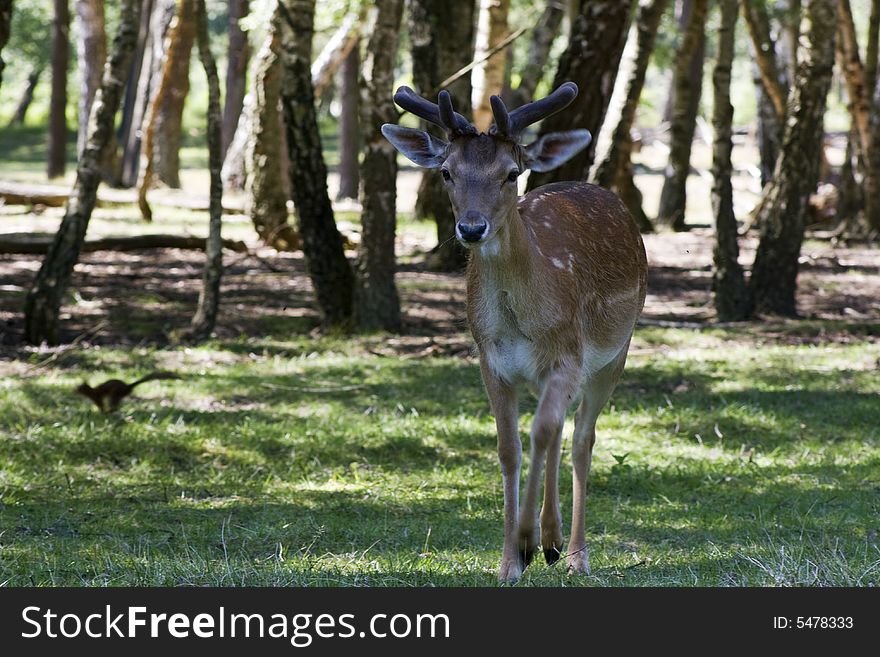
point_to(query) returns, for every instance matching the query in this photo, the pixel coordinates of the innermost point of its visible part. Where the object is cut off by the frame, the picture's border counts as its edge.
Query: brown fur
(553, 295)
(109, 395)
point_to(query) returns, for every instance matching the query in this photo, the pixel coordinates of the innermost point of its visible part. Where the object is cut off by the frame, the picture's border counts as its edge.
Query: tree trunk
(328, 268)
(437, 53)
(783, 213)
(688, 83)
(591, 60)
(731, 294)
(91, 51)
(165, 111)
(872, 51)
(236, 70)
(43, 301)
(165, 119)
(27, 97)
(209, 298)
(758, 23)
(5, 22)
(149, 75)
(769, 128)
(349, 137)
(862, 108)
(543, 35)
(376, 304)
(57, 156)
(334, 52)
(234, 172)
(266, 189)
(614, 169)
(488, 77)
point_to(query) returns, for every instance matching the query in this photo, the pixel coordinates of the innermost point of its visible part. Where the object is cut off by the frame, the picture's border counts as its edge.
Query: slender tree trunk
(543, 35)
(872, 51)
(595, 46)
(769, 129)
(349, 137)
(437, 53)
(5, 22)
(150, 74)
(328, 268)
(783, 213)
(376, 304)
(43, 301)
(209, 299)
(488, 78)
(57, 156)
(731, 294)
(758, 23)
(27, 97)
(614, 157)
(688, 85)
(91, 51)
(236, 70)
(166, 109)
(862, 108)
(234, 172)
(165, 120)
(266, 190)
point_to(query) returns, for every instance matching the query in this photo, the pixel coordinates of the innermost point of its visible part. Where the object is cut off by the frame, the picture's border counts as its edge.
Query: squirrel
(110, 394)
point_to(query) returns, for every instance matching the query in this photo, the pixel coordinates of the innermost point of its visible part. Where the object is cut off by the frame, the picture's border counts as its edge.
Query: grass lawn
(303, 462)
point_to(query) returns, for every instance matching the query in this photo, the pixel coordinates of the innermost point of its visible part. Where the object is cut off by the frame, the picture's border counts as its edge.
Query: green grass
(301, 462)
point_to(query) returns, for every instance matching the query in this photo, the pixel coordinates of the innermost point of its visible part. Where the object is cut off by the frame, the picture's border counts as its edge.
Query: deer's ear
(419, 146)
(555, 149)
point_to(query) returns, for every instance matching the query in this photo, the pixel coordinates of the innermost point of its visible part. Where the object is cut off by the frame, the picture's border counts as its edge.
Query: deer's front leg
(546, 440)
(503, 399)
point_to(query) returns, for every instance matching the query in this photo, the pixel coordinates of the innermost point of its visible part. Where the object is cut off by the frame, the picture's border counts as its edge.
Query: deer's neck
(507, 261)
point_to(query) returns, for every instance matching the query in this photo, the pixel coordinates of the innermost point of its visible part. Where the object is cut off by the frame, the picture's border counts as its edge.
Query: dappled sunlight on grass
(319, 462)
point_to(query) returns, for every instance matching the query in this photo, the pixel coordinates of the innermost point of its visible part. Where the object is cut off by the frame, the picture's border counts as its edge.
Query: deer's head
(480, 170)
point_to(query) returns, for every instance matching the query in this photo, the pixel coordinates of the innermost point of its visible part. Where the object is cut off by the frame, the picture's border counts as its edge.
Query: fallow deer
(556, 280)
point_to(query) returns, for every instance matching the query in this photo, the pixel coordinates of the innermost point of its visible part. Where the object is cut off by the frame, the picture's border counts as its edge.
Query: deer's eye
(445, 174)
(513, 175)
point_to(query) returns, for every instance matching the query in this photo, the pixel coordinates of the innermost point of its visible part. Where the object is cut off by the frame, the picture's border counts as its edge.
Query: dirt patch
(140, 298)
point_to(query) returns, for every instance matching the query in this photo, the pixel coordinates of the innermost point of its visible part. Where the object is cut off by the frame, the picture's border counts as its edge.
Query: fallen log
(38, 243)
(55, 196)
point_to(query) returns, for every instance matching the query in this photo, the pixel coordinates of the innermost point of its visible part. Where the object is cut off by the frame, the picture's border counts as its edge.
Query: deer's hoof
(511, 571)
(579, 562)
(552, 554)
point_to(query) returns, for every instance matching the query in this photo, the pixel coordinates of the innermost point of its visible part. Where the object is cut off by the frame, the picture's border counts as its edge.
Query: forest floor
(743, 454)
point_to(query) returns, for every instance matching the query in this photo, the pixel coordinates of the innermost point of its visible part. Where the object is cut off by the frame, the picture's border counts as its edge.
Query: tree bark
(5, 23)
(437, 53)
(543, 35)
(91, 51)
(688, 88)
(348, 130)
(236, 70)
(335, 52)
(162, 131)
(328, 268)
(614, 169)
(488, 77)
(165, 119)
(591, 60)
(731, 295)
(27, 97)
(376, 304)
(266, 190)
(209, 298)
(862, 108)
(783, 213)
(872, 51)
(149, 71)
(758, 23)
(43, 301)
(57, 155)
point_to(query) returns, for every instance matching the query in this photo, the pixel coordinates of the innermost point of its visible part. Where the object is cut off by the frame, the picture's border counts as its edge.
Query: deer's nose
(472, 226)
